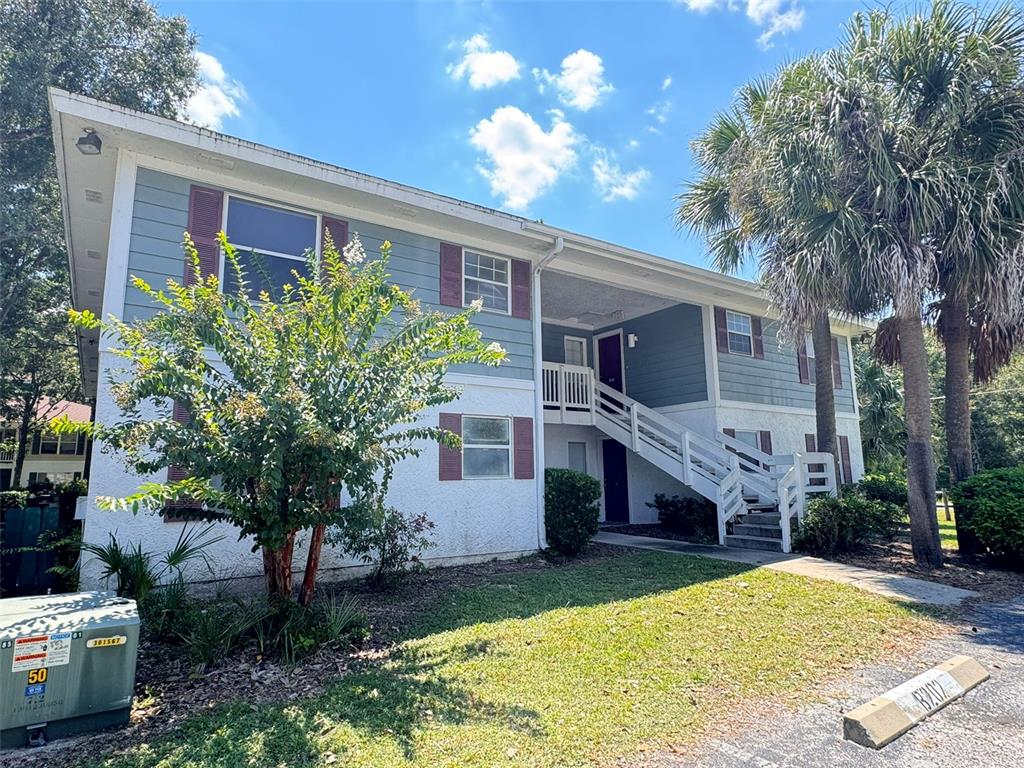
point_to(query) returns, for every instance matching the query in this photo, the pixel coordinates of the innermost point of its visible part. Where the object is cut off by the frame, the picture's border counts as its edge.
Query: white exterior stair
(757, 494)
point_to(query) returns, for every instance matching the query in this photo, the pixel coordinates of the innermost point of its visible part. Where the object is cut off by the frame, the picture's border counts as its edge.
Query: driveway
(985, 729)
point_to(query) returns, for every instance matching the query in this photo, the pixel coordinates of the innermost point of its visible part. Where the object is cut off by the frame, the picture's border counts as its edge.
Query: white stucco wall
(474, 519)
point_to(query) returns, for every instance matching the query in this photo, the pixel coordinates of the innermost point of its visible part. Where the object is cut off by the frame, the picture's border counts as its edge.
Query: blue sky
(579, 114)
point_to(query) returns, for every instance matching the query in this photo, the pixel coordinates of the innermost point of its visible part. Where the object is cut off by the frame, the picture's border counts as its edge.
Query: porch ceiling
(577, 301)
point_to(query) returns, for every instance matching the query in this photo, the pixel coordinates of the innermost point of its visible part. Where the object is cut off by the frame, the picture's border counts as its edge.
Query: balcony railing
(568, 393)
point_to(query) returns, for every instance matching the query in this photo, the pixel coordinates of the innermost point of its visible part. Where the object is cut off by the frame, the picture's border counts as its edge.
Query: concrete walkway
(888, 584)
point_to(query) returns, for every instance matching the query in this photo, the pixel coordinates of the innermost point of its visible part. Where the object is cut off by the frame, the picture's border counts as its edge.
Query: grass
(947, 528)
(571, 665)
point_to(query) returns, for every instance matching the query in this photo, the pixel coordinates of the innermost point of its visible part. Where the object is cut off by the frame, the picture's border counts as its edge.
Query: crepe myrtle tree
(272, 407)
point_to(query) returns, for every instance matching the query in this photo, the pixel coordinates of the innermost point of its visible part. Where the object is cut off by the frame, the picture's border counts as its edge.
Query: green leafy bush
(689, 517)
(991, 505)
(384, 537)
(571, 512)
(889, 487)
(840, 525)
(73, 488)
(13, 499)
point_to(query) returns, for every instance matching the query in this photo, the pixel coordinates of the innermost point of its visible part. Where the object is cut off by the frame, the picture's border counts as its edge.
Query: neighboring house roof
(49, 409)
(88, 189)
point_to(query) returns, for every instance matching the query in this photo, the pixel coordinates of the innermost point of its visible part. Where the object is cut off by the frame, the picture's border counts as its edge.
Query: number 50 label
(37, 675)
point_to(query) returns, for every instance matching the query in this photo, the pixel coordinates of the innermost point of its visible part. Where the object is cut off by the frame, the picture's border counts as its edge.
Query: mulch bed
(167, 692)
(993, 584)
(657, 531)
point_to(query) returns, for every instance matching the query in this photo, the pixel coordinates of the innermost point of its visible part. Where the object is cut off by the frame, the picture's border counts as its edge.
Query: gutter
(538, 391)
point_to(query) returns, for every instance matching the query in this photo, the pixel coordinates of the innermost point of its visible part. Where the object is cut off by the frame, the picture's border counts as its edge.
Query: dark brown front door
(616, 488)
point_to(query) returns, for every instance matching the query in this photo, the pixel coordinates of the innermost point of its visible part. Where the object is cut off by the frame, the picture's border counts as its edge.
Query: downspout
(538, 392)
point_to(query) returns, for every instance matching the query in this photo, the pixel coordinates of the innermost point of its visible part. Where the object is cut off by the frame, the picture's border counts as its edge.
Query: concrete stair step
(753, 542)
(760, 518)
(759, 531)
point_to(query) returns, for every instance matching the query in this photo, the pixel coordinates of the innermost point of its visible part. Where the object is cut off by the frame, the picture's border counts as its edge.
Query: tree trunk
(277, 568)
(824, 390)
(24, 435)
(924, 524)
(955, 337)
(316, 544)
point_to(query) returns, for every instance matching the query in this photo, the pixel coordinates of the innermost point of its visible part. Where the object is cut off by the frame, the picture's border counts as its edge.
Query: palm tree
(740, 204)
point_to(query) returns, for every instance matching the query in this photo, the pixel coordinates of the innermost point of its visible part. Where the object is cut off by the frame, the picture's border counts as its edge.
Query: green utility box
(67, 665)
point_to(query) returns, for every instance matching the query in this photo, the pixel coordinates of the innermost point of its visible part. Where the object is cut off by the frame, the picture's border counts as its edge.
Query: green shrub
(689, 517)
(72, 488)
(571, 511)
(890, 487)
(991, 505)
(384, 537)
(840, 525)
(13, 499)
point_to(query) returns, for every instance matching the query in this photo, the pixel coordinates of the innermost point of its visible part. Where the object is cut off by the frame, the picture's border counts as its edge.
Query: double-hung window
(741, 337)
(486, 446)
(575, 350)
(271, 243)
(486, 278)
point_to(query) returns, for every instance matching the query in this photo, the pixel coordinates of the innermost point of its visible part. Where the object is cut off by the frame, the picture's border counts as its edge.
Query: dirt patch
(167, 692)
(992, 583)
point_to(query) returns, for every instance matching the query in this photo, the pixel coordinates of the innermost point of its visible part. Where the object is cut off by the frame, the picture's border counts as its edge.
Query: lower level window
(486, 446)
(578, 456)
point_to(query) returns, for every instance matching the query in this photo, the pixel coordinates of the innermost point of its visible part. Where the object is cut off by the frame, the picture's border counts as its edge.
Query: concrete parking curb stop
(895, 712)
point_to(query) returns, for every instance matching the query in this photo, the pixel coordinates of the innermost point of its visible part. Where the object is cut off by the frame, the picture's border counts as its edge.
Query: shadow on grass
(517, 595)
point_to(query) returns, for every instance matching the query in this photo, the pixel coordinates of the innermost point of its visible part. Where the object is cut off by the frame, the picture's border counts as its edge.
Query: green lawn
(567, 666)
(947, 528)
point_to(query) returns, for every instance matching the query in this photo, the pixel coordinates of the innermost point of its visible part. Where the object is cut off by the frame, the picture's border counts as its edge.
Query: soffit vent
(93, 254)
(93, 293)
(93, 196)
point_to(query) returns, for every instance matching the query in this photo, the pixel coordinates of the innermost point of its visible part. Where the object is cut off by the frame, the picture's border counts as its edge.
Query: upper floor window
(49, 443)
(575, 350)
(741, 338)
(486, 446)
(486, 278)
(271, 243)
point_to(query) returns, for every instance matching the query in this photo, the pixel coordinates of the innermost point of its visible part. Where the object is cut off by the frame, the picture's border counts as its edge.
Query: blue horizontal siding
(775, 380)
(160, 217)
(666, 367)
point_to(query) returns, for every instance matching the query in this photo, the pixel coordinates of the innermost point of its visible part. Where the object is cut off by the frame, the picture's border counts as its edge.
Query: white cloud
(523, 160)
(774, 17)
(612, 182)
(633, 144)
(666, 83)
(581, 82)
(217, 97)
(485, 68)
(660, 111)
(769, 14)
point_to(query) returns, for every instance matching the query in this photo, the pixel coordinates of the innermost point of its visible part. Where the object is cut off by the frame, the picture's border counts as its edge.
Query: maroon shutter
(765, 439)
(721, 330)
(451, 275)
(176, 473)
(755, 332)
(205, 207)
(338, 230)
(522, 435)
(449, 463)
(844, 455)
(729, 431)
(837, 370)
(812, 447)
(812, 443)
(521, 290)
(802, 363)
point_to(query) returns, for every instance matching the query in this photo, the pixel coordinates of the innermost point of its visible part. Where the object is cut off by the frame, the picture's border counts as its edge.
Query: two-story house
(650, 375)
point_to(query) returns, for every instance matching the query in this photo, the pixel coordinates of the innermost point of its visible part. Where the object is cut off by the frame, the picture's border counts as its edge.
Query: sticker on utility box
(41, 651)
(106, 642)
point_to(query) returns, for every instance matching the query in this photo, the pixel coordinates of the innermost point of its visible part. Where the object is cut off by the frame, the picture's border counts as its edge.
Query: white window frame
(507, 283)
(229, 196)
(730, 333)
(578, 340)
(467, 445)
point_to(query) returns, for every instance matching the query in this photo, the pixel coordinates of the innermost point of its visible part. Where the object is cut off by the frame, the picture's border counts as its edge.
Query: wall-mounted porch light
(90, 143)
(631, 340)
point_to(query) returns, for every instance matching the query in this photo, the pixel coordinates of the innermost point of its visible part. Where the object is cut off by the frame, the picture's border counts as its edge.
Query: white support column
(684, 452)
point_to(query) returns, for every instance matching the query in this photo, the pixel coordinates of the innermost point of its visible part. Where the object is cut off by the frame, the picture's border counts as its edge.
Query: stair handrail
(790, 503)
